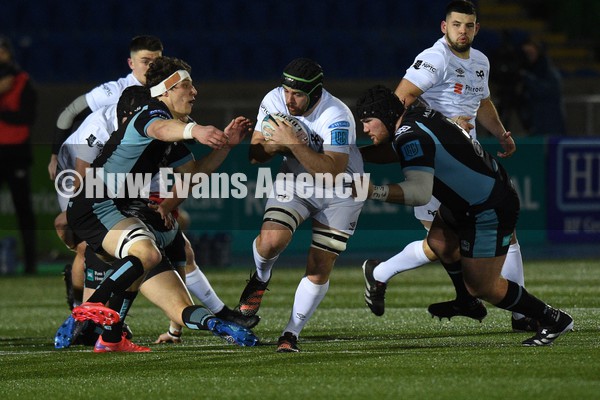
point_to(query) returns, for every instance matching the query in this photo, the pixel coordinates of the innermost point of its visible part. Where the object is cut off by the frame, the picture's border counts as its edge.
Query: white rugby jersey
(88, 140)
(331, 128)
(451, 85)
(108, 93)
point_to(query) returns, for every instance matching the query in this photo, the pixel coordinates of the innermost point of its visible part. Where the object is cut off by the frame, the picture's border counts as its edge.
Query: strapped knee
(133, 233)
(329, 240)
(283, 216)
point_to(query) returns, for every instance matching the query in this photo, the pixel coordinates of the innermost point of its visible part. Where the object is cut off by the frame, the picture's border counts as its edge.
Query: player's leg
(512, 270)
(332, 227)
(482, 276)
(444, 241)
(279, 224)
(377, 274)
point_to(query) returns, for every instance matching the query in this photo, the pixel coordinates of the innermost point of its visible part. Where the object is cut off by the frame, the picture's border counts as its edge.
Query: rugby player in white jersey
(142, 51)
(331, 150)
(451, 77)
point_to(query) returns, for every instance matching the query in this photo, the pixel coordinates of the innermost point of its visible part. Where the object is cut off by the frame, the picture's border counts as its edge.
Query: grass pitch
(347, 353)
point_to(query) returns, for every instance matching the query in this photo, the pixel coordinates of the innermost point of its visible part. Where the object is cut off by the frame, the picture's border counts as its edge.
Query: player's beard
(459, 48)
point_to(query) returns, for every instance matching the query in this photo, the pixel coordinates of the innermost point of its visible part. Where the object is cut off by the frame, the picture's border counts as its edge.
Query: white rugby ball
(299, 128)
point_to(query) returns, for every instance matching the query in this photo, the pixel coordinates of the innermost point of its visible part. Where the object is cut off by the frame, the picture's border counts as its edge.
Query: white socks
(199, 286)
(512, 269)
(307, 299)
(263, 265)
(411, 257)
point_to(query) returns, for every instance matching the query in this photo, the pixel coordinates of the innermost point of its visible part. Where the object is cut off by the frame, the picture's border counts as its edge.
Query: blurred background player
(18, 109)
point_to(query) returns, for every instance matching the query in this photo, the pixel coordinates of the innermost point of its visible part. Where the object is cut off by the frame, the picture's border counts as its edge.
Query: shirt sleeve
(427, 70)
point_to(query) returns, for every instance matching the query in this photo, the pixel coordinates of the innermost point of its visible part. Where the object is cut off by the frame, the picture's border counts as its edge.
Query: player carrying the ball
(331, 149)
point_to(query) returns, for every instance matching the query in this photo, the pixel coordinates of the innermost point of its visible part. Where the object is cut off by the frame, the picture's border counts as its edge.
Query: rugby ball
(270, 120)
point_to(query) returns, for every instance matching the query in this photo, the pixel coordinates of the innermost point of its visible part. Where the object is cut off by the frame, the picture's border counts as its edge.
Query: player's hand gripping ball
(299, 128)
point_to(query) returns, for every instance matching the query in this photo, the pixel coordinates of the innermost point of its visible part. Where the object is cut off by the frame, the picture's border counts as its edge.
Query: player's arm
(488, 116)
(62, 131)
(407, 92)
(173, 130)
(415, 190)
(80, 167)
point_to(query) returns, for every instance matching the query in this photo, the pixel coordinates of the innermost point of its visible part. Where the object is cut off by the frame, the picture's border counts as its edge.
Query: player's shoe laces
(65, 335)
(547, 334)
(69, 286)
(288, 343)
(525, 324)
(237, 317)
(96, 312)
(232, 332)
(453, 308)
(124, 346)
(374, 290)
(251, 296)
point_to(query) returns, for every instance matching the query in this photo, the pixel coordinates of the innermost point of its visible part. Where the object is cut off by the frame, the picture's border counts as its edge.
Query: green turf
(347, 352)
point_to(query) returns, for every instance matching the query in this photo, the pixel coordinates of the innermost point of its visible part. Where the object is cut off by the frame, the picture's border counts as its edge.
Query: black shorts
(91, 219)
(484, 231)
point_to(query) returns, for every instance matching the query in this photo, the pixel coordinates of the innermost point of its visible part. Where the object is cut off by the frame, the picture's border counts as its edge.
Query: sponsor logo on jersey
(412, 150)
(402, 130)
(262, 107)
(90, 140)
(339, 137)
(160, 114)
(107, 90)
(339, 124)
(459, 88)
(460, 73)
(425, 65)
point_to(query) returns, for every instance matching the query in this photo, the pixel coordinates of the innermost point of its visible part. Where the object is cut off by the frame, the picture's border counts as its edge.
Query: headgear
(380, 102)
(305, 75)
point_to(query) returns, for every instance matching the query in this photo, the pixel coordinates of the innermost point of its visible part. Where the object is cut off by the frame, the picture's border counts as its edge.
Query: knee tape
(133, 233)
(329, 240)
(283, 216)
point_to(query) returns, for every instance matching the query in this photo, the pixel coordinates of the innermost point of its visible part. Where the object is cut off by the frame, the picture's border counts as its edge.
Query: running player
(331, 150)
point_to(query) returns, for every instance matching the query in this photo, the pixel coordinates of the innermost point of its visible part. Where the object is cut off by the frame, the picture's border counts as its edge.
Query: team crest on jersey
(412, 150)
(339, 137)
(480, 74)
(90, 140)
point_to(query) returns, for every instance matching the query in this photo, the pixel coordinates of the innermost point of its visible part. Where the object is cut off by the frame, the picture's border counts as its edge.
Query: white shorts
(337, 212)
(428, 211)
